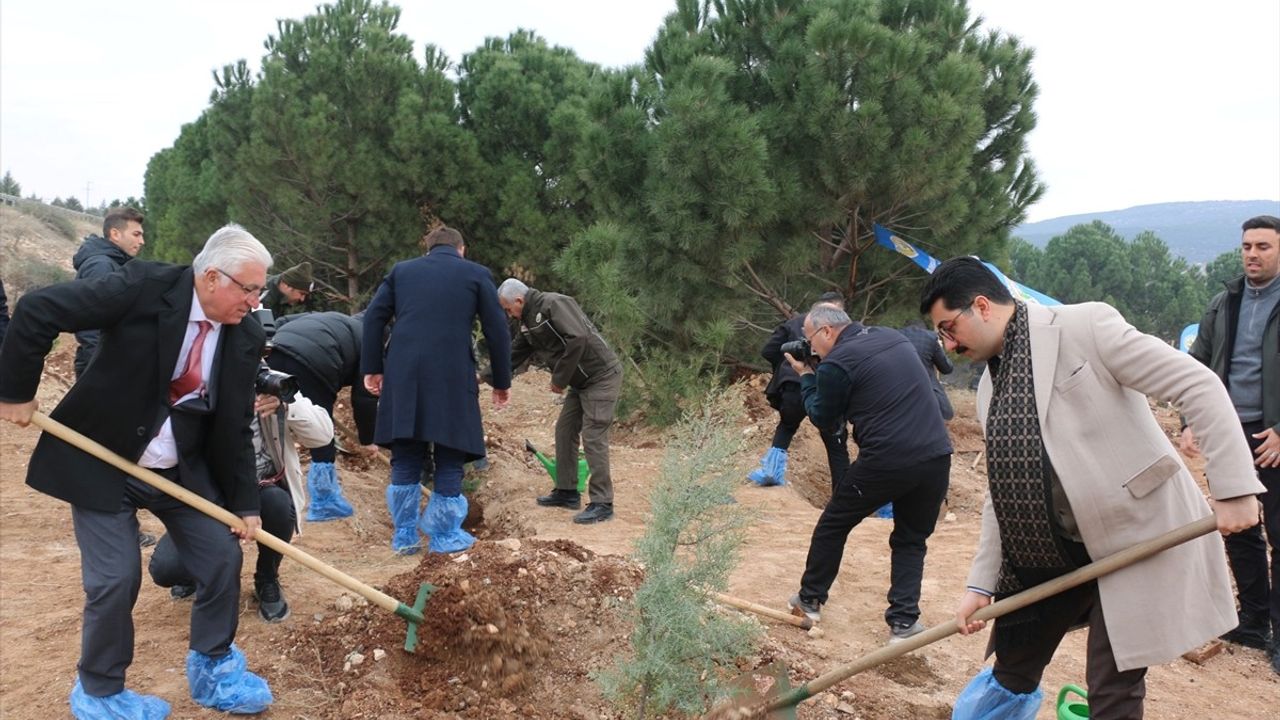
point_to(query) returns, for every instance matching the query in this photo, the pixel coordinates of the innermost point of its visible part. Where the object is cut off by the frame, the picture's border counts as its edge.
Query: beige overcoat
(1123, 477)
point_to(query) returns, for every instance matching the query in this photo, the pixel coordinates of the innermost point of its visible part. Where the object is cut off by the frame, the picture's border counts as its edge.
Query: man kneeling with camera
(871, 377)
(282, 418)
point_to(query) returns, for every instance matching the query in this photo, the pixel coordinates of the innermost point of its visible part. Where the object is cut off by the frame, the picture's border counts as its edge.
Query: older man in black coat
(170, 388)
(429, 393)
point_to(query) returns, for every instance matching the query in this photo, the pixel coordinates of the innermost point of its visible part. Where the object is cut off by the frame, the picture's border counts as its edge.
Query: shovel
(411, 614)
(782, 700)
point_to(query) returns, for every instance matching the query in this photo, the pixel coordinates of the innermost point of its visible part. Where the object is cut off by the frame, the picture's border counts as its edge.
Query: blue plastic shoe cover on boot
(772, 470)
(124, 705)
(885, 511)
(327, 502)
(442, 522)
(402, 503)
(224, 683)
(984, 698)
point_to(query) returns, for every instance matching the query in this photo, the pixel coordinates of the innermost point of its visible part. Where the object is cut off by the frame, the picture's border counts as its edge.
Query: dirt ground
(519, 622)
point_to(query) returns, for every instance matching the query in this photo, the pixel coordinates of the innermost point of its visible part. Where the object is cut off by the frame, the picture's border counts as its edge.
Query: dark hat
(298, 276)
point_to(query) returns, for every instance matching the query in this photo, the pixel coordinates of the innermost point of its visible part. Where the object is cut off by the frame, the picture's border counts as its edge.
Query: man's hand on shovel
(1237, 514)
(18, 413)
(971, 603)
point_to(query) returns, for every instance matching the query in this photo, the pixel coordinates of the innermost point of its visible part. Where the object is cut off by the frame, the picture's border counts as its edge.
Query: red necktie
(191, 376)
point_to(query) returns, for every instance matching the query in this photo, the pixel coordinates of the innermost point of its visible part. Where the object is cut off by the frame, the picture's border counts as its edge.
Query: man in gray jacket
(1239, 340)
(587, 371)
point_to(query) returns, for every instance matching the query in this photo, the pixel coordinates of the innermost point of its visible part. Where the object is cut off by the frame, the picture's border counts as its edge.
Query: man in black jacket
(783, 393)
(4, 313)
(1239, 339)
(121, 241)
(583, 368)
(870, 377)
(322, 351)
(167, 389)
(935, 361)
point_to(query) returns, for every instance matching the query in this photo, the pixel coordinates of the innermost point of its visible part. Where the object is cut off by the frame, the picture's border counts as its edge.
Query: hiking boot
(182, 592)
(901, 631)
(146, 540)
(272, 607)
(595, 512)
(1249, 633)
(805, 608)
(571, 499)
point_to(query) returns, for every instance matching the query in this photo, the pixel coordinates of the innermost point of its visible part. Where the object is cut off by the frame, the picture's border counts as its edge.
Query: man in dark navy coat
(171, 387)
(429, 392)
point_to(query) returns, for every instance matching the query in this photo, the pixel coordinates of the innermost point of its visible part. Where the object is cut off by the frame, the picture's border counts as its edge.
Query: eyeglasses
(814, 334)
(248, 289)
(946, 328)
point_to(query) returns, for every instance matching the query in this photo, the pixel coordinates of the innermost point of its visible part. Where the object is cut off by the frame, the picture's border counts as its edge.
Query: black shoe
(182, 592)
(571, 499)
(595, 512)
(1249, 634)
(272, 607)
(146, 539)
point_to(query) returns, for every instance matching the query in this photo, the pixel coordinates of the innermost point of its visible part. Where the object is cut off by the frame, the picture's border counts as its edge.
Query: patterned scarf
(1018, 469)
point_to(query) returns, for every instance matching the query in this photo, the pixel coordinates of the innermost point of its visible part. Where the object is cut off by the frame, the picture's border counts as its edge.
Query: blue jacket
(429, 389)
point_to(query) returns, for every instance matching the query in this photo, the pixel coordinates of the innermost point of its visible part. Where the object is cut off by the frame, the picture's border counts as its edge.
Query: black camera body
(272, 382)
(799, 349)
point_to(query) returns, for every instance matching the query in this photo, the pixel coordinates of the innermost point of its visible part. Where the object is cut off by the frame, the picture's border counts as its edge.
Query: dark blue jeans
(408, 456)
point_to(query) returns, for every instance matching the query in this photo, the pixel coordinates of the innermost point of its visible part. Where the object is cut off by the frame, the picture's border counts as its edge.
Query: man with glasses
(870, 377)
(168, 388)
(1078, 469)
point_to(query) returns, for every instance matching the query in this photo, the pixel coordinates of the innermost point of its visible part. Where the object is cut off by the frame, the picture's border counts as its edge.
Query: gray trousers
(588, 413)
(111, 571)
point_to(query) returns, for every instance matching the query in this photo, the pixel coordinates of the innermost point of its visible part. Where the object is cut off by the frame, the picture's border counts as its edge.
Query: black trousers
(916, 492)
(1113, 695)
(1247, 551)
(791, 413)
(278, 518)
(111, 571)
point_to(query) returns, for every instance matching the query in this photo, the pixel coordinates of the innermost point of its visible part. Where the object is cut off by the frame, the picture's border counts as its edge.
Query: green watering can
(1072, 709)
(583, 472)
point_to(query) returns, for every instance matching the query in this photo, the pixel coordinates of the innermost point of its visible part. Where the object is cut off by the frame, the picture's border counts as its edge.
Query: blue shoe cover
(442, 522)
(984, 698)
(224, 683)
(402, 503)
(124, 705)
(885, 511)
(772, 470)
(327, 502)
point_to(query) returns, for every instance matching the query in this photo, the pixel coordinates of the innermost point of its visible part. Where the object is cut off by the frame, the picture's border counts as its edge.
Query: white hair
(824, 313)
(230, 249)
(512, 289)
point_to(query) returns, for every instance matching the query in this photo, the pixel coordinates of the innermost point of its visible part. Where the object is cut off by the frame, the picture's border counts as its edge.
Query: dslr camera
(800, 350)
(273, 382)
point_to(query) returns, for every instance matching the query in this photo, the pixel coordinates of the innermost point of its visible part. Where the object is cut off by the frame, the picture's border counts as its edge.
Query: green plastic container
(550, 465)
(1073, 709)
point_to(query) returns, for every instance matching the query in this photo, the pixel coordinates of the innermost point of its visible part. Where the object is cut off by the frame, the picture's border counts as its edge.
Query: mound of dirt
(512, 630)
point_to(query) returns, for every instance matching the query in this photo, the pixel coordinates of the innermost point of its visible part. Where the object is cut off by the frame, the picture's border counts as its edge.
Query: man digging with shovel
(1079, 469)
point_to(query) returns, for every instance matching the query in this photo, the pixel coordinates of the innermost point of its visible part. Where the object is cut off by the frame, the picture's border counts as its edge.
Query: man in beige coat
(1079, 469)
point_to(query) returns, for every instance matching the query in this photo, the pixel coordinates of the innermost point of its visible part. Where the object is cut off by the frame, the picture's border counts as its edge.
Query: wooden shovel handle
(71, 437)
(801, 622)
(1092, 571)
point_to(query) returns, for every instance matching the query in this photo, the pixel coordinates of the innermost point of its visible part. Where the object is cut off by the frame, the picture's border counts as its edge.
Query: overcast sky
(1140, 101)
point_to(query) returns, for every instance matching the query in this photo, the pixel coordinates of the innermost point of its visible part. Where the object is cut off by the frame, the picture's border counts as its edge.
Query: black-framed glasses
(947, 327)
(248, 289)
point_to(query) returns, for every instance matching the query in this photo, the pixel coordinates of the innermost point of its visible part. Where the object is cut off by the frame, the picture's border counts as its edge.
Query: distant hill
(1198, 231)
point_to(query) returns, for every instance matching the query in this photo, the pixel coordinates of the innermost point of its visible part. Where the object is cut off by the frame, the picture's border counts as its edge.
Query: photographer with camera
(783, 393)
(282, 418)
(871, 377)
(322, 351)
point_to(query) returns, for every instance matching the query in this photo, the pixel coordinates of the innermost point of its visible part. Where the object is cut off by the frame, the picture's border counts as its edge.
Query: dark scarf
(1019, 472)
